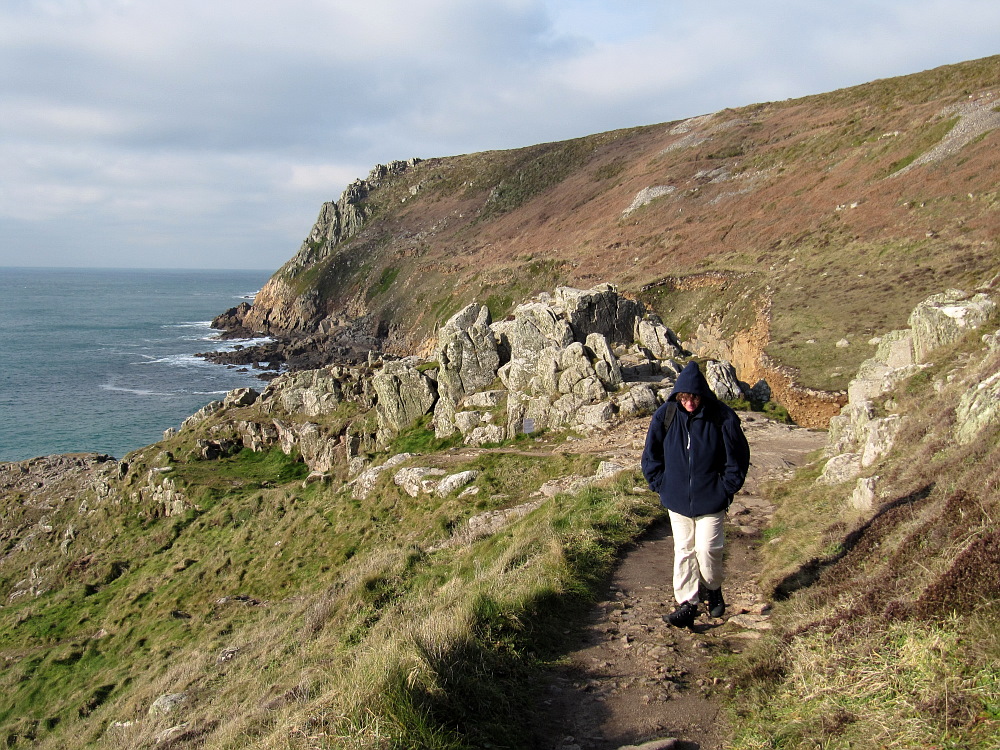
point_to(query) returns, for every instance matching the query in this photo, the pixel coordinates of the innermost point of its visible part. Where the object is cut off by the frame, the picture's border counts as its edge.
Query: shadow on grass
(810, 571)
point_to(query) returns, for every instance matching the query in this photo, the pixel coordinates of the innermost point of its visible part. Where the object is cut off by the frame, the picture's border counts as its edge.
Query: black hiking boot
(716, 604)
(683, 616)
(702, 593)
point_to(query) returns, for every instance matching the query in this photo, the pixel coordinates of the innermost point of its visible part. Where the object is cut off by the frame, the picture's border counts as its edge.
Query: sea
(98, 360)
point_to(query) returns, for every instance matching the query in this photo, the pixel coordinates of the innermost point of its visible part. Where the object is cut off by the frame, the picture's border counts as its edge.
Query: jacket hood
(692, 381)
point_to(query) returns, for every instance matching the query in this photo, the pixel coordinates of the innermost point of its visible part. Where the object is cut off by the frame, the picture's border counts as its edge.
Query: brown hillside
(830, 216)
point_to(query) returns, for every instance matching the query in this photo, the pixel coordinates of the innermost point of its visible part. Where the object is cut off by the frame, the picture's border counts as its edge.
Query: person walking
(696, 459)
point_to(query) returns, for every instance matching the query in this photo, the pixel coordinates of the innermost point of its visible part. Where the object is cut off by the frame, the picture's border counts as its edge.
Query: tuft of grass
(420, 438)
(384, 282)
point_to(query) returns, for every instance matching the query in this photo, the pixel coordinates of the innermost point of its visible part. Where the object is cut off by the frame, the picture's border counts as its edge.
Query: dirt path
(631, 679)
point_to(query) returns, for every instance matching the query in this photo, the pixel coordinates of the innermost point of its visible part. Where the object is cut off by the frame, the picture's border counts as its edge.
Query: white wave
(190, 324)
(175, 360)
(110, 386)
(230, 344)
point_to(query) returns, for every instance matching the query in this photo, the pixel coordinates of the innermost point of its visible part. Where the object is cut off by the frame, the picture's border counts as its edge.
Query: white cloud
(217, 128)
(318, 177)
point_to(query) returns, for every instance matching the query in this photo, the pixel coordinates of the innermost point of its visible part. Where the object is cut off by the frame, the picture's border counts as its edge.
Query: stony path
(630, 679)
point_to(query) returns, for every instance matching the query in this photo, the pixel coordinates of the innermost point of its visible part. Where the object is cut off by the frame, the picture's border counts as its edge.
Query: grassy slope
(757, 191)
(888, 629)
(302, 617)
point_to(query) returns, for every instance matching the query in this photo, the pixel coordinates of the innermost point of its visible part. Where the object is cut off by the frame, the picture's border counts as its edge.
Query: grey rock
(863, 496)
(639, 401)
(162, 492)
(536, 327)
(977, 408)
(485, 524)
(656, 338)
(849, 430)
(946, 317)
(517, 374)
(414, 480)
(484, 399)
(670, 368)
(167, 704)
(895, 349)
(241, 397)
(880, 438)
(467, 352)
(311, 392)
(444, 417)
(318, 451)
(565, 408)
(607, 469)
(760, 392)
(404, 396)
(467, 421)
(596, 416)
(202, 414)
(453, 482)
(875, 378)
(257, 436)
(599, 310)
(840, 469)
(606, 363)
(365, 482)
(721, 377)
(486, 435)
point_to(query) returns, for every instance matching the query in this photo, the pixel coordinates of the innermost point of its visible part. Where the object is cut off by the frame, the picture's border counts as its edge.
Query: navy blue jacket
(700, 461)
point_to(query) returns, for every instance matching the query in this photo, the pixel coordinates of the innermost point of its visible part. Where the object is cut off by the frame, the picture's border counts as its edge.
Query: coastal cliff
(809, 209)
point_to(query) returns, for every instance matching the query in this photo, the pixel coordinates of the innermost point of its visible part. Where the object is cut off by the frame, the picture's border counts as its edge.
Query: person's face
(689, 401)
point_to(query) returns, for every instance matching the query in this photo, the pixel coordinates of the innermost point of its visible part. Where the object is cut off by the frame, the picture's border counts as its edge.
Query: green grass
(419, 438)
(330, 600)
(384, 282)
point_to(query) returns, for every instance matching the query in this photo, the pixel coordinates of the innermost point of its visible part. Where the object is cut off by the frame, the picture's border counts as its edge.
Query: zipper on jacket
(690, 471)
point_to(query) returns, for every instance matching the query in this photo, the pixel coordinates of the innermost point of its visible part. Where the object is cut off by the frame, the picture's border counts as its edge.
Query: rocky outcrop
(866, 427)
(417, 480)
(573, 359)
(318, 392)
(721, 377)
(405, 394)
(365, 482)
(656, 338)
(282, 306)
(468, 356)
(317, 448)
(945, 318)
(569, 359)
(978, 408)
(467, 353)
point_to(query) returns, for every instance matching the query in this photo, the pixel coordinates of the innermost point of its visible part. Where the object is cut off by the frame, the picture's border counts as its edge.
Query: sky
(208, 133)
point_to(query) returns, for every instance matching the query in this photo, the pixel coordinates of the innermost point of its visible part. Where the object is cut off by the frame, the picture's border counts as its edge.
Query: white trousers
(697, 553)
